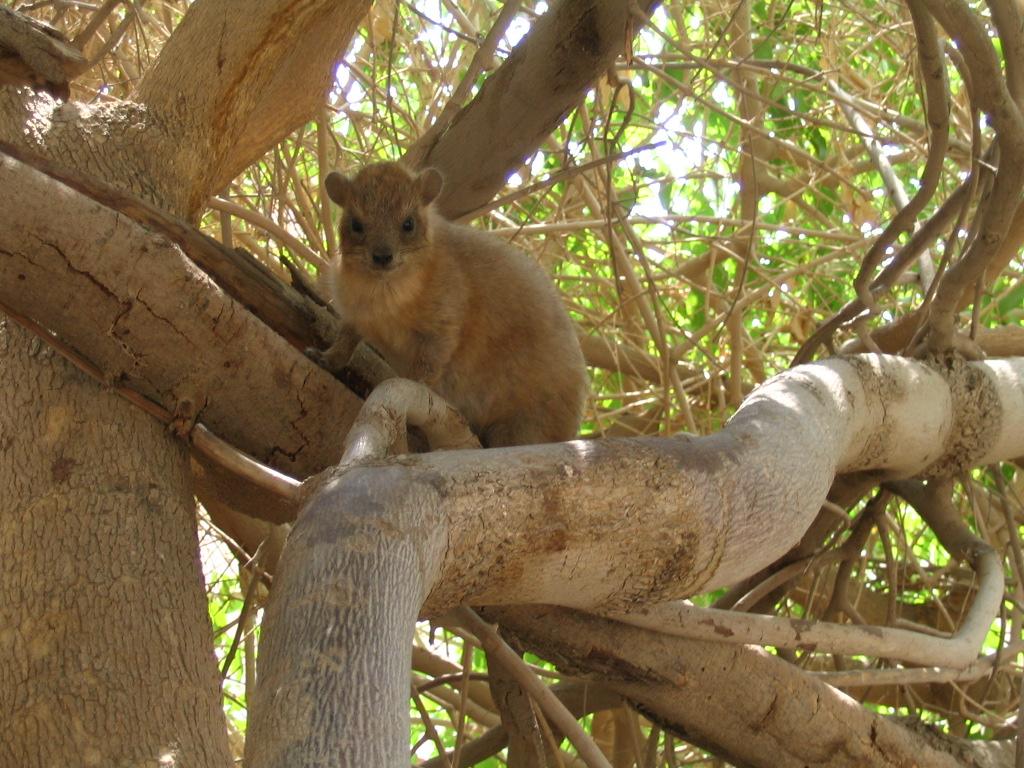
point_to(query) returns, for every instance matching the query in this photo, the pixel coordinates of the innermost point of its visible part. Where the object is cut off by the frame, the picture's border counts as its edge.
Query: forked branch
(610, 523)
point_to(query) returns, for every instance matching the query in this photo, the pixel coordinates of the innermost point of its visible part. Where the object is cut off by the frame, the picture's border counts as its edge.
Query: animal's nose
(382, 257)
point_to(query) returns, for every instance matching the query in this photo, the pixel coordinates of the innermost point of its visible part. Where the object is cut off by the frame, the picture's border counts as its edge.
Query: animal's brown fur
(457, 308)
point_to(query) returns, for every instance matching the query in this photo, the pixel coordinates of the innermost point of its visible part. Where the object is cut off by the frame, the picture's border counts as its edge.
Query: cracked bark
(123, 535)
(148, 318)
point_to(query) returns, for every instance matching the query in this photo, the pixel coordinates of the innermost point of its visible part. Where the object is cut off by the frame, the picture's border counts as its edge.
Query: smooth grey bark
(608, 524)
(343, 704)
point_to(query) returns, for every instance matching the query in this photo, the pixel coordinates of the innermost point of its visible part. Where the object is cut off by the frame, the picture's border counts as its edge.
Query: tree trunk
(109, 635)
(103, 629)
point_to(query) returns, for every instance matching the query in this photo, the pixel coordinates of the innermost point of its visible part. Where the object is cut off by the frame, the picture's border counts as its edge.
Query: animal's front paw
(333, 360)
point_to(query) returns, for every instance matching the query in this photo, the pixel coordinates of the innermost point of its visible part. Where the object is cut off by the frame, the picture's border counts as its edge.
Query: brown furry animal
(456, 308)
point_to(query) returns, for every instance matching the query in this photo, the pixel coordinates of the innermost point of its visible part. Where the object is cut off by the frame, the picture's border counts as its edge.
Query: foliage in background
(688, 294)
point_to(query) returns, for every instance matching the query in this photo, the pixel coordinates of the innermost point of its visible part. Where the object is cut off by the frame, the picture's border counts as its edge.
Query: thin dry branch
(955, 652)
(992, 95)
(396, 404)
(580, 698)
(936, 88)
(547, 700)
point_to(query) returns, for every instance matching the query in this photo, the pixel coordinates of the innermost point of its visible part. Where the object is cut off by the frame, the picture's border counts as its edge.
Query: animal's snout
(382, 257)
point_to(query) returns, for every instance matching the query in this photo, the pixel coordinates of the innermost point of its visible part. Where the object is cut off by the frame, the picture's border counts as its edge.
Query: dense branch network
(681, 310)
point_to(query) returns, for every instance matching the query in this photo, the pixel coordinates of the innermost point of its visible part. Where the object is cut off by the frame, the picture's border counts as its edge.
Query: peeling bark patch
(717, 628)
(977, 416)
(61, 468)
(557, 538)
(674, 567)
(881, 389)
(586, 36)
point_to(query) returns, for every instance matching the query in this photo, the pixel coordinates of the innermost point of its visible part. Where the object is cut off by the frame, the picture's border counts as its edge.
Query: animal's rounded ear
(430, 182)
(339, 188)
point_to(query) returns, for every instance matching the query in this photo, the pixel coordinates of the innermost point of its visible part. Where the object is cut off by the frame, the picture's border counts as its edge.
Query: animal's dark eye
(409, 224)
(357, 226)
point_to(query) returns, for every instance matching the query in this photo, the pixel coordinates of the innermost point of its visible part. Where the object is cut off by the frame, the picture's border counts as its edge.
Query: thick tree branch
(703, 690)
(32, 53)
(611, 523)
(218, 465)
(138, 309)
(296, 318)
(230, 81)
(777, 456)
(525, 98)
(240, 77)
